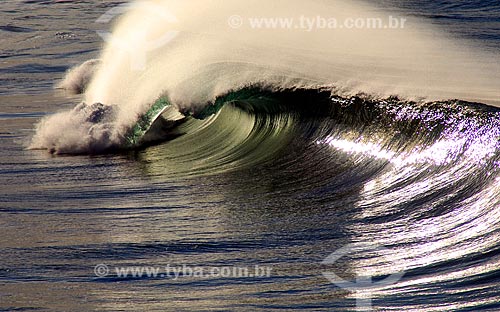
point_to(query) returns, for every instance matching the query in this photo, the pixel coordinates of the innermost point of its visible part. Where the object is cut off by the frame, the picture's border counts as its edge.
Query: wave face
(422, 180)
(359, 121)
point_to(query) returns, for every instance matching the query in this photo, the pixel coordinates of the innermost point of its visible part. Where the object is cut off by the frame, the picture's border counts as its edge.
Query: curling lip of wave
(261, 101)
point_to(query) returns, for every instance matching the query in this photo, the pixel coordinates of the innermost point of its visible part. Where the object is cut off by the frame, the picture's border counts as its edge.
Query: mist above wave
(209, 57)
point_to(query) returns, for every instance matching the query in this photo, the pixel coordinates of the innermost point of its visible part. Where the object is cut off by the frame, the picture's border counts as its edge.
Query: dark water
(278, 186)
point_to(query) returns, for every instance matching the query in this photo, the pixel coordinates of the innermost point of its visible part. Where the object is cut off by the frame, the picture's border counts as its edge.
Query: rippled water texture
(280, 180)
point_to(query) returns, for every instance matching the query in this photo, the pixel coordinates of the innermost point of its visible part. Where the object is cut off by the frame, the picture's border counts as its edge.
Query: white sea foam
(78, 78)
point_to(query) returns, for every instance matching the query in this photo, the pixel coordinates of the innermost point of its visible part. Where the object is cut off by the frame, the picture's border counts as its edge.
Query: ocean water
(266, 161)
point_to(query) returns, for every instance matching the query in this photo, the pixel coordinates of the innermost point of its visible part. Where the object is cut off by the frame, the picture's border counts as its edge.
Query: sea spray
(209, 58)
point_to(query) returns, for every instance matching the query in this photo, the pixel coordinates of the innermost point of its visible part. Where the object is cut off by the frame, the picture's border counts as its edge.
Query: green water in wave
(135, 135)
(137, 132)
